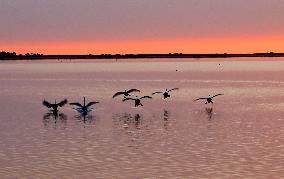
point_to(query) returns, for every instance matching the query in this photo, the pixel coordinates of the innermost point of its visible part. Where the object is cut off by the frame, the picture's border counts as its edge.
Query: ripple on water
(242, 136)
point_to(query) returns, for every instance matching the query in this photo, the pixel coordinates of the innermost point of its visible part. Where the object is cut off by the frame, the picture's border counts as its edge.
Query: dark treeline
(36, 56)
(13, 55)
(8, 54)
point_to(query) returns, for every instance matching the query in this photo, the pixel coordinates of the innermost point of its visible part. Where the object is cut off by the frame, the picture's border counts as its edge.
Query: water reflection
(129, 128)
(166, 115)
(86, 118)
(54, 116)
(128, 120)
(209, 112)
(137, 119)
(166, 119)
(251, 132)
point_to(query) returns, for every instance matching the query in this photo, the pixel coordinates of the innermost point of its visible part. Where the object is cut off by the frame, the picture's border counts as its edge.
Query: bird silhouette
(165, 93)
(83, 108)
(55, 105)
(125, 93)
(208, 99)
(137, 100)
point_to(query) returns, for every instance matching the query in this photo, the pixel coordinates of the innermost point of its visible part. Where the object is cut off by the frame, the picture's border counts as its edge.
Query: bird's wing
(62, 103)
(46, 103)
(216, 95)
(173, 89)
(199, 99)
(146, 97)
(133, 90)
(116, 94)
(91, 103)
(125, 99)
(157, 92)
(76, 104)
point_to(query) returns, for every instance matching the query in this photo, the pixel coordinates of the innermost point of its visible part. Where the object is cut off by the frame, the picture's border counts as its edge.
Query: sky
(141, 26)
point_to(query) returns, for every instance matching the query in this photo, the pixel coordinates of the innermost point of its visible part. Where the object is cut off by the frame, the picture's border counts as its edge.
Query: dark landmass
(36, 56)
(13, 56)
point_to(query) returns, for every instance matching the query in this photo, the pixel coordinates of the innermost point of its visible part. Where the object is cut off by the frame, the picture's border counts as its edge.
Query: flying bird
(83, 108)
(165, 93)
(125, 93)
(208, 99)
(55, 105)
(137, 100)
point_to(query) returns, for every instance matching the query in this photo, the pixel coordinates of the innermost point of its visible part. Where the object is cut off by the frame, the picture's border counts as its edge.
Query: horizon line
(14, 56)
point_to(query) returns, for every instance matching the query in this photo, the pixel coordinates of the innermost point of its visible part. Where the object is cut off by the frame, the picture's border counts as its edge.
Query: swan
(55, 105)
(208, 99)
(165, 93)
(83, 108)
(137, 100)
(125, 93)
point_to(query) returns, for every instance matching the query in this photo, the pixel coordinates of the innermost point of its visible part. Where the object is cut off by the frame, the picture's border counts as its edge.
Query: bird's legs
(138, 103)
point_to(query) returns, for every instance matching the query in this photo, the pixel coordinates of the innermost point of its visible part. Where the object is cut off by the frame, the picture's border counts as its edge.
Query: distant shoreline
(140, 56)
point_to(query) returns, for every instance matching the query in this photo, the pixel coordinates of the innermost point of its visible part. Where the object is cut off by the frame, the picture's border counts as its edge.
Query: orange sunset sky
(141, 26)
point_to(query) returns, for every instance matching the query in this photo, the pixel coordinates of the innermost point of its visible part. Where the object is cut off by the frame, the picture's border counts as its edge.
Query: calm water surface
(240, 136)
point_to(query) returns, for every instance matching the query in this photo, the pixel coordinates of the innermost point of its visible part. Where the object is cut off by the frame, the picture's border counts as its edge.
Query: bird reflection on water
(137, 119)
(166, 118)
(129, 128)
(128, 120)
(86, 118)
(54, 116)
(166, 115)
(209, 112)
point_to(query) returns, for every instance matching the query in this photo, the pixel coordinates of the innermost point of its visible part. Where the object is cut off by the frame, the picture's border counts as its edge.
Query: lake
(241, 135)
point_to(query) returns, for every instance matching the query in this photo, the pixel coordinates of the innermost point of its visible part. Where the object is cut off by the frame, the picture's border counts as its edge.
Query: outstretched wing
(118, 93)
(173, 89)
(91, 103)
(62, 103)
(157, 92)
(133, 90)
(146, 97)
(76, 104)
(46, 103)
(216, 95)
(199, 99)
(125, 99)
